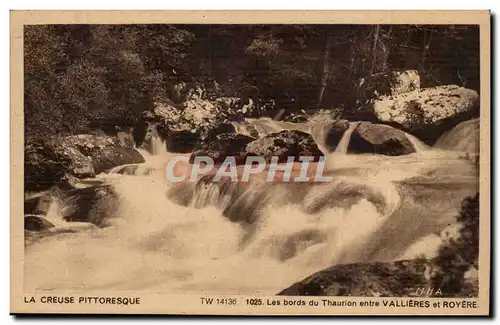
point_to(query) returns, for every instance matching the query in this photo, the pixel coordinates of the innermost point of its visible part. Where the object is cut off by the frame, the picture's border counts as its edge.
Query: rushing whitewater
(254, 238)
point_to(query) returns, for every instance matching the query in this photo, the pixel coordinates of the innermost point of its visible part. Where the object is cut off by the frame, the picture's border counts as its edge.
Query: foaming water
(154, 145)
(346, 138)
(253, 238)
(417, 144)
(318, 129)
(158, 245)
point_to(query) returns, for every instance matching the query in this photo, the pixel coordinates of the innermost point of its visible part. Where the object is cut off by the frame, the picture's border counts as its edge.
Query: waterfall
(346, 137)
(204, 236)
(417, 144)
(153, 144)
(158, 146)
(319, 133)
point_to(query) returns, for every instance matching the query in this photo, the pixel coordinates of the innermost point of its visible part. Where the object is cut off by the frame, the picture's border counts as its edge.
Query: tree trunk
(326, 70)
(210, 52)
(374, 48)
(387, 50)
(425, 47)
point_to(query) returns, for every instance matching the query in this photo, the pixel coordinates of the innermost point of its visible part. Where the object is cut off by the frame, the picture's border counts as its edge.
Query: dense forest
(83, 77)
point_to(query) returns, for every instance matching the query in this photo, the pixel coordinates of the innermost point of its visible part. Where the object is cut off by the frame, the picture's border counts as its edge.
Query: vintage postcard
(250, 163)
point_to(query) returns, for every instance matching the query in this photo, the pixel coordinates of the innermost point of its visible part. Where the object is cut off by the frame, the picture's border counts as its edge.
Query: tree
(83, 77)
(457, 256)
(80, 77)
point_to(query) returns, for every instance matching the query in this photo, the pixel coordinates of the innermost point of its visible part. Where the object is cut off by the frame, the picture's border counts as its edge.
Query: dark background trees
(83, 77)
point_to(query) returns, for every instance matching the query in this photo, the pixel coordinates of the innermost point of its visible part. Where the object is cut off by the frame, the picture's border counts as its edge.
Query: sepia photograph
(252, 165)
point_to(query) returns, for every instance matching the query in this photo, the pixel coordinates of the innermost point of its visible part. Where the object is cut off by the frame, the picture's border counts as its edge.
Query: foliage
(84, 77)
(460, 254)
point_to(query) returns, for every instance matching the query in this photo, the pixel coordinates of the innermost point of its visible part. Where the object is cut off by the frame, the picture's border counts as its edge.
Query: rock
(230, 105)
(327, 133)
(103, 152)
(36, 223)
(427, 113)
(80, 165)
(140, 132)
(379, 139)
(463, 137)
(38, 204)
(109, 157)
(199, 111)
(62, 160)
(166, 111)
(94, 204)
(226, 144)
(44, 165)
(376, 279)
(336, 132)
(284, 144)
(246, 128)
(182, 141)
(386, 84)
(206, 116)
(220, 129)
(162, 119)
(472, 273)
(195, 122)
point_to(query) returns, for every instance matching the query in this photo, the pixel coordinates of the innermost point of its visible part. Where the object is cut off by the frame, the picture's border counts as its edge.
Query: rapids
(255, 238)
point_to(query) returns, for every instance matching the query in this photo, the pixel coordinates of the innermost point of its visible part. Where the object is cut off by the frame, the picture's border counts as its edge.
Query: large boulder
(386, 84)
(44, 166)
(49, 162)
(183, 127)
(36, 223)
(463, 137)
(379, 139)
(104, 152)
(376, 279)
(284, 144)
(220, 129)
(196, 121)
(38, 204)
(244, 127)
(336, 132)
(226, 144)
(109, 157)
(166, 111)
(94, 204)
(427, 113)
(363, 279)
(182, 141)
(63, 160)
